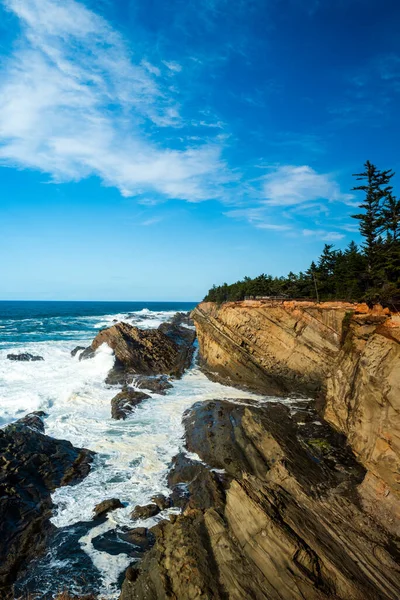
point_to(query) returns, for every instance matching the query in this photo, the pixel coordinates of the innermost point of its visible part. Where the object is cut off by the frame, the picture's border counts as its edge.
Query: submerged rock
(157, 385)
(141, 537)
(107, 506)
(34, 420)
(77, 349)
(32, 466)
(124, 403)
(24, 357)
(283, 523)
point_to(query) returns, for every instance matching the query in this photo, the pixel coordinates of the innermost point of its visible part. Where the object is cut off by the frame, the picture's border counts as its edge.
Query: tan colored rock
(275, 348)
(290, 528)
(345, 354)
(363, 397)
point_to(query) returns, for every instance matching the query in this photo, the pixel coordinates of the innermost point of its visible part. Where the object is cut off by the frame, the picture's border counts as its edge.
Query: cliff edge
(345, 355)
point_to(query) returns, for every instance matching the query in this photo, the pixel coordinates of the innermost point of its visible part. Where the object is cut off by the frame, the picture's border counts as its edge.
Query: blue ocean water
(39, 321)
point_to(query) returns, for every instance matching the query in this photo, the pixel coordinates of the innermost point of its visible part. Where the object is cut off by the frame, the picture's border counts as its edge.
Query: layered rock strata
(346, 355)
(275, 515)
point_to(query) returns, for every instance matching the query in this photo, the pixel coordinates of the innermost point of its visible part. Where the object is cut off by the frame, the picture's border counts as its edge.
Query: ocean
(132, 456)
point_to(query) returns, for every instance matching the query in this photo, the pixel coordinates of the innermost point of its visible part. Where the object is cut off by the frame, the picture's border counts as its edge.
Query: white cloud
(325, 236)
(74, 103)
(292, 185)
(173, 66)
(151, 221)
(258, 217)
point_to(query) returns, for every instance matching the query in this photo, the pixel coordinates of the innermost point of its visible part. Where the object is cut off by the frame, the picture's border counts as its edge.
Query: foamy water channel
(132, 456)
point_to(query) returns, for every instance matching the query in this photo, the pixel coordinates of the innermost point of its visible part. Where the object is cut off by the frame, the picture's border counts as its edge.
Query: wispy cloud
(292, 197)
(173, 66)
(258, 217)
(370, 93)
(75, 102)
(291, 185)
(323, 235)
(151, 221)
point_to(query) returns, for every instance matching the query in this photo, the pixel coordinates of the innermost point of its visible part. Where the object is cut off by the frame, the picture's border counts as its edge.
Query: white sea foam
(132, 456)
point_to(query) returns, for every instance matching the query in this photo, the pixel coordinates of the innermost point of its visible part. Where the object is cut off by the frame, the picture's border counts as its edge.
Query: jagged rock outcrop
(32, 466)
(282, 521)
(106, 506)
(144, 351)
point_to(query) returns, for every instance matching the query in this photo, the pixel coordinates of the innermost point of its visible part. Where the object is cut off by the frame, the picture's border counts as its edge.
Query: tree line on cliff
(369, 272)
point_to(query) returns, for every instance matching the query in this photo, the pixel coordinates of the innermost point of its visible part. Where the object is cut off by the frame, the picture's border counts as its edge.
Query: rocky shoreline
(275, 502)
(32, 466)
(272, 512)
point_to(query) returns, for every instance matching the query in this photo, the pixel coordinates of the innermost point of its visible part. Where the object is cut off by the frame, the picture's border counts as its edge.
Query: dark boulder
(125, 402)
(32, 466)
(145, 512)
(87, 353)
(24, 357)
(34, 420)
(107, 506)
(157, 385)
(77, 349)
(192, 483)
(182, 318)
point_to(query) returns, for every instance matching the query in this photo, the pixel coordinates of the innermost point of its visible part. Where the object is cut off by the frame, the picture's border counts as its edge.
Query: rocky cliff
(345, 355)
(274, 348)
(281, 506)
(274, 516)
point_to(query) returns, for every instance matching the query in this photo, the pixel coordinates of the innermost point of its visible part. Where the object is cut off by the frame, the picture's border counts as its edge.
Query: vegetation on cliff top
(368, 273)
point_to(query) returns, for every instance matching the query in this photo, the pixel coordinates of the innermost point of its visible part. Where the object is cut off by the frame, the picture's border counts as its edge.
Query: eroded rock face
(363, 401)
(142, 351)
(32, 466)
(288, 526)
(274, 348)
(346, 355)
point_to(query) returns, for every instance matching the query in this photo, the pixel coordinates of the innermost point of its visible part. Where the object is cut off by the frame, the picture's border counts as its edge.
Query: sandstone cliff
(273, 348)
(344, 354)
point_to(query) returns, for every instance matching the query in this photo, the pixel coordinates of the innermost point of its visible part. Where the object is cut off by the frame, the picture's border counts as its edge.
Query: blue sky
(149, 149)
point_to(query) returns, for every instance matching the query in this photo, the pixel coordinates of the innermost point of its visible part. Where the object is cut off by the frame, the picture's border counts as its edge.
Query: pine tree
(391, 217)
(376, 189)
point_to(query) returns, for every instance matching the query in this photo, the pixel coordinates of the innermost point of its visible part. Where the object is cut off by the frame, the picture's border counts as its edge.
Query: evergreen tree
(370, 273)
(376, 189)
(391, 217)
